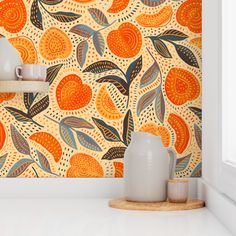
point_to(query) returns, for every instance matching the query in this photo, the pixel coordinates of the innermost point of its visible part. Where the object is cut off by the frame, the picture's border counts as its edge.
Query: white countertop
(93, 217)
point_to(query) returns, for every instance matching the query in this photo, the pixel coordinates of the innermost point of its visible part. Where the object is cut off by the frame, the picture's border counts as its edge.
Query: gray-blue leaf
(82, 30)
(3, 160)
(146, 100)
(99, 43)
(98, 16)
(19, 141)
(150, 75)
(160, 105)
(67, 136)
(19, 167)
(87, 142)
(198, 135)
(44, 162)
(81, 52)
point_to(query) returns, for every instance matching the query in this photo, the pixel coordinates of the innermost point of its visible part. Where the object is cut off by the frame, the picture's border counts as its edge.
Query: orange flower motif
(55, 44)
(72, 94)
(190, 14)
(6, 96)
(118, 5)
(26, 48)
(126, 41)
(197, 42)
(50, 143)
(181, 86)
(154, 129)
(119, 169)
(13, 15)
(83, 165)
(84, 1)
(106, 106)
(158, 19)
(181, 132)
(2, 136)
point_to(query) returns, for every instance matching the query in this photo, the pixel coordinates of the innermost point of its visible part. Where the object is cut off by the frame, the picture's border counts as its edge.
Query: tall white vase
(9, 59)
(147, 168)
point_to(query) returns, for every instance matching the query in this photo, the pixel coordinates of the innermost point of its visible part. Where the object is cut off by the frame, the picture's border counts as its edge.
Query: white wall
(211, 82)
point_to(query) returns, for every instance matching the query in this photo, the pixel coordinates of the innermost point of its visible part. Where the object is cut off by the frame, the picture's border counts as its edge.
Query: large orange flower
(49, 142)
(83, 165)
(161, 131)
(84, 1)
(6, 96)
(181, 86)
(106, 106)
(159, 19)
(118, 5)
(26, 48)
(182, 134)
(2, 136)
(119, 169)
(190, 14)
(72, 94)
(126, 41)
(55, 44)
(13, 15)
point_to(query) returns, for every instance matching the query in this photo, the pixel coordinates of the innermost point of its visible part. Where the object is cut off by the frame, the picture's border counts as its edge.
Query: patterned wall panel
(113, 67)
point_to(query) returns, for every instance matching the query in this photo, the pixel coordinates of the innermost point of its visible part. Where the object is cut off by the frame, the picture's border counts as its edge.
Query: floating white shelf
(24, 87)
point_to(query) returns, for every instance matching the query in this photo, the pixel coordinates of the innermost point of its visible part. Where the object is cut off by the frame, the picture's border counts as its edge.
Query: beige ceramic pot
(147, 168)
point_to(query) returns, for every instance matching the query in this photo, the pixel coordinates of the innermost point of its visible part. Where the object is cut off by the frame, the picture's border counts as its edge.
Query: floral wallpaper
(114, 67)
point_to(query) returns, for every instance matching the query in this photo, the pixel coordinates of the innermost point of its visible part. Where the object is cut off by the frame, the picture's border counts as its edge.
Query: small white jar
(178, 190)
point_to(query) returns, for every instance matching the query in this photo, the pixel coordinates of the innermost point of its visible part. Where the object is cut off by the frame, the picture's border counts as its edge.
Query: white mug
(31, 72)
(43, 73)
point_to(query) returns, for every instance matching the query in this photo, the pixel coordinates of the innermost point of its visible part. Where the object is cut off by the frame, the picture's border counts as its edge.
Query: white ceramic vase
(147, 168)
(9, 59)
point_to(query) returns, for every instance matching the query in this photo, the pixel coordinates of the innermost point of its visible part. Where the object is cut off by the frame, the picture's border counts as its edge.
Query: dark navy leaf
(36, 16)
(28, 100)
(114, 153)
(39, 106)
(101, 66)
(134, 68)
(186, 55)
(52, 72)
(173, 35)
(128, 127)
(118, 82)
(109, 132)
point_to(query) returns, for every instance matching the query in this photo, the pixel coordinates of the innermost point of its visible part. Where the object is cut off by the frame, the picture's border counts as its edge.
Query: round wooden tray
(156, 206)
